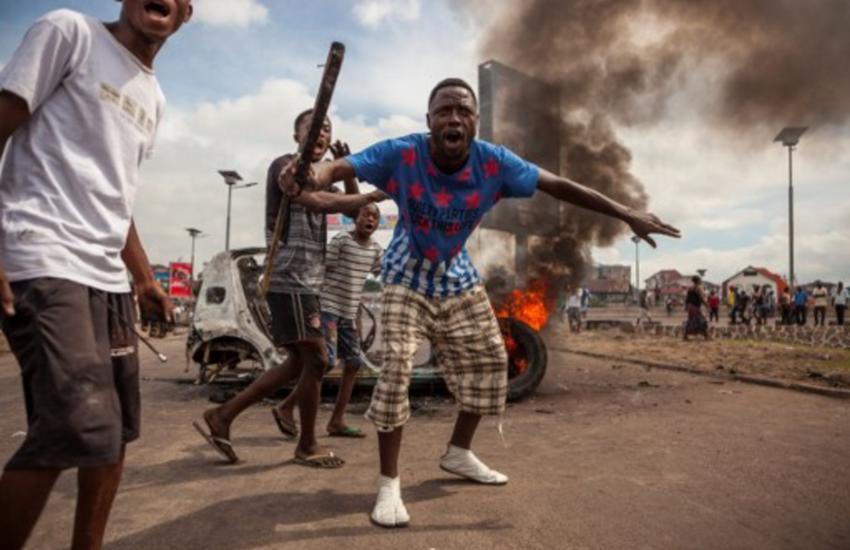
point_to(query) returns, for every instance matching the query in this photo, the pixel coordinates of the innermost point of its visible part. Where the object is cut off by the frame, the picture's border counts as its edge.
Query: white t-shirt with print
(70, 173)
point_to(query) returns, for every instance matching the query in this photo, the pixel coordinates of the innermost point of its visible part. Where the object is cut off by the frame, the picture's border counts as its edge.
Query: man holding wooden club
(297, 271)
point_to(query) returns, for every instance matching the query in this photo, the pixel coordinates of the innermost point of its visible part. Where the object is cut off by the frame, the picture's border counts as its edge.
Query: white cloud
(728, 194)
(820, 249)
(231, 13)
(371, 13)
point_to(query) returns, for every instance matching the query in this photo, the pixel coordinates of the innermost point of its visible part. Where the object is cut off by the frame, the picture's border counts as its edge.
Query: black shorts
(295, 317)
(343, 340)
(80, 373)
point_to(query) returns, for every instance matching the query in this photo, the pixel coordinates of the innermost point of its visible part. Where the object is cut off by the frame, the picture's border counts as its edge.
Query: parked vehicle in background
(230, 341)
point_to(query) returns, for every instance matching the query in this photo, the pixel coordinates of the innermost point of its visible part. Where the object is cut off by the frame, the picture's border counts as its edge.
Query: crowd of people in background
(791, 306)
(747, 305)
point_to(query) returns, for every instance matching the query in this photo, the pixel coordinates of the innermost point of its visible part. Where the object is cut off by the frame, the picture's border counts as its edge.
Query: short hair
(451, 83)
(370, 205)
(300, 118)
(696, 280)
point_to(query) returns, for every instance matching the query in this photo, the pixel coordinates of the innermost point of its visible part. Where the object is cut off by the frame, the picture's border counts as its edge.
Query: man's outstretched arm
(335, 203)
(641, 223)
(322, 175)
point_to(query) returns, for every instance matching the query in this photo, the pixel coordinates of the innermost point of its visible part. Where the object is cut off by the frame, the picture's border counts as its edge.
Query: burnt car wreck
(230, 342)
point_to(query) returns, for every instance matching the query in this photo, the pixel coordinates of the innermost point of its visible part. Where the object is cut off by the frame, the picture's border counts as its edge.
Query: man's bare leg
(389, 449)
(220, 418)
(96, 488)
(286, 408)
(346, 386)
(465, 427)
(23, 494)
(314, 360)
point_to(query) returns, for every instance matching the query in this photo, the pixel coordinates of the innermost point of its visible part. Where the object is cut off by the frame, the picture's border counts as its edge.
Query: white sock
(464, 463)
(389, 509)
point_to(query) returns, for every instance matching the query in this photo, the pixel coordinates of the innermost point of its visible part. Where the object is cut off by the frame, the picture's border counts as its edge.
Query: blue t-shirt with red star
(438, 212)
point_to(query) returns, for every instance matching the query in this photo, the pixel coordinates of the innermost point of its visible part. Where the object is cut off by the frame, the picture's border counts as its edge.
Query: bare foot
(286, 413)
(219, 426)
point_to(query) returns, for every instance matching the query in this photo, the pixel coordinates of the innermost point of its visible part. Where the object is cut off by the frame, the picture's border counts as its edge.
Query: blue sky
(239, 72)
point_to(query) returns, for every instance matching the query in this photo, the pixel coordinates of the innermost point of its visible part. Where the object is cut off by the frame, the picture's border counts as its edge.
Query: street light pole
(227, 229)
(194, 234)
(636, 240)
(231, 179)
(790, 137)
(791, 214)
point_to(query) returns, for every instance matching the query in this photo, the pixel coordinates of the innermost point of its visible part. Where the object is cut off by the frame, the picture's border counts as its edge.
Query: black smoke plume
(755, 65)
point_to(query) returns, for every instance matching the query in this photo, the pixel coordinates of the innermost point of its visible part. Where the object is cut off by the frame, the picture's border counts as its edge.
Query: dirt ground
(606, 455)
(819, 365)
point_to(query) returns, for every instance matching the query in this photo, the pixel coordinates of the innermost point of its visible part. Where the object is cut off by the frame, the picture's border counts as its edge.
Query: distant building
(671, 283)
(750, 276)
(610, 283)
(516, 110)
(663, 282)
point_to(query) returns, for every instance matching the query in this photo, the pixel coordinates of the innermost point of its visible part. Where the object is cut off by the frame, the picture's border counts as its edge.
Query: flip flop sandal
(348, 431)
(221, 445)
(286, 427)
(326, 461)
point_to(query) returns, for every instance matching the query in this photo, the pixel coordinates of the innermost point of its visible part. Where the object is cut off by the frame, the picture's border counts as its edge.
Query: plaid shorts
(465, 335)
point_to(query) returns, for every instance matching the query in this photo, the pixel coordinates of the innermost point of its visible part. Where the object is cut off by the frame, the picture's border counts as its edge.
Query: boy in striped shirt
(351, 257)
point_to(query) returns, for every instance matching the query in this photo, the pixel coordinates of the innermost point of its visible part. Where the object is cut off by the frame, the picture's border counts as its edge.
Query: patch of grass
(841, 361)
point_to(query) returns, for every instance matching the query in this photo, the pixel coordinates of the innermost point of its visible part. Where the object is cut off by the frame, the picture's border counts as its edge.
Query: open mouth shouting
(320, 149)
(157, 9)
(454, 138)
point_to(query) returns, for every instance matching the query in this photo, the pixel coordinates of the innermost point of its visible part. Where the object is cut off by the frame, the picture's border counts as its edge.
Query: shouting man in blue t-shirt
(443, 183)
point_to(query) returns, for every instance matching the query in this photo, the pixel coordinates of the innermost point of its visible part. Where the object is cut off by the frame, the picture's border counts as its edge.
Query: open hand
(288, 182)
(156, 306)
(340, 149)
(644, 223)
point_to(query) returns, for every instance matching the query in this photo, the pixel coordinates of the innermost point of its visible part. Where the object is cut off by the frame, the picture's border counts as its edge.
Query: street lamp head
(635, 239)
(790, 135)
(231, 177)
(193, 232)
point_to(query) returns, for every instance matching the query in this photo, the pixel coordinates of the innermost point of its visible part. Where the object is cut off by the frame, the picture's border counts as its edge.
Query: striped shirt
(300, 262)
(347, 264)
(437, 211)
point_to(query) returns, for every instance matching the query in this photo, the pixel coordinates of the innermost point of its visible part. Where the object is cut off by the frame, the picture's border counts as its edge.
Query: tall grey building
(523, 114)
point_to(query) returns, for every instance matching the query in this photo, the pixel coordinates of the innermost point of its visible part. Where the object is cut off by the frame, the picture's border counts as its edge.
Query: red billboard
(180, 280)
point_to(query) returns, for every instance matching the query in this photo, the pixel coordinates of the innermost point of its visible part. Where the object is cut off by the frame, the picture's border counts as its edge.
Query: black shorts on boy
(80, 373)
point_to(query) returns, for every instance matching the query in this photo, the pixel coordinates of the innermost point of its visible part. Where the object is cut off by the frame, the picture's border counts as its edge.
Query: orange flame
(532, 308)
(529, 306)
(516, 356)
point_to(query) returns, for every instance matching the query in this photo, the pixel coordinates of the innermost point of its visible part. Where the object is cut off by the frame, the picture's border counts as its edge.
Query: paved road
(606, 456)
